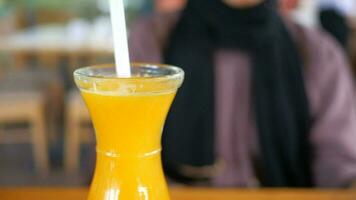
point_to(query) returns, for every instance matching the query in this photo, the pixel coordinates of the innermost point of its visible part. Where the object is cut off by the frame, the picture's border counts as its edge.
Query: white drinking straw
(122, 58)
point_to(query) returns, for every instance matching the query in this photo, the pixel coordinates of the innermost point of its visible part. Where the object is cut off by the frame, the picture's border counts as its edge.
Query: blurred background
(41, 43)
(45, 133)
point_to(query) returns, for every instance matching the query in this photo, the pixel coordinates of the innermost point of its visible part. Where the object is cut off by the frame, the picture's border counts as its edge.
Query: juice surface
(128, 132)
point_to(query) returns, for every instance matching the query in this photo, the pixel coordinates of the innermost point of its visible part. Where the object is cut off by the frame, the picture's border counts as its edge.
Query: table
(186, 194)
(55, 38)
(50, 43)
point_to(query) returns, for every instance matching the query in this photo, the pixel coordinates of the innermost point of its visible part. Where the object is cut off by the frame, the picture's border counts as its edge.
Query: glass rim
(177, 72)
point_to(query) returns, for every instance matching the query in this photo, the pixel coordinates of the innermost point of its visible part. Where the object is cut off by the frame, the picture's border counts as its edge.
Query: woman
(265, 102)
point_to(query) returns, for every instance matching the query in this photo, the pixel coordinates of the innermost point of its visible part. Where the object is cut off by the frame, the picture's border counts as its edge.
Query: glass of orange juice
(128, 116)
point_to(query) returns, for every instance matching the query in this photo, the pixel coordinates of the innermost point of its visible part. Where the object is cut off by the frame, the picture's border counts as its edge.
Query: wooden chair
(27, 106)
(76, 114)
(25, 96)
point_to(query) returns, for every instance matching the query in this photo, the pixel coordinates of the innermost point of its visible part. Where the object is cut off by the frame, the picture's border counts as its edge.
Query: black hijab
(279, 98)
(336, 24)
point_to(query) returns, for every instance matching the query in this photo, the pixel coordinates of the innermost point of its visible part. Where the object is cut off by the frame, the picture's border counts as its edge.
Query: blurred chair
(27, 107)
(22, 101)
(76, 115)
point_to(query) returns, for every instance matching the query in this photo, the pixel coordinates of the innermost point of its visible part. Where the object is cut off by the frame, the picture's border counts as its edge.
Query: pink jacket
(330, 91)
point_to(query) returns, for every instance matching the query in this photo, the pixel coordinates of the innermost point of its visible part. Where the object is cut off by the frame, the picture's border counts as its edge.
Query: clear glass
(128, 115)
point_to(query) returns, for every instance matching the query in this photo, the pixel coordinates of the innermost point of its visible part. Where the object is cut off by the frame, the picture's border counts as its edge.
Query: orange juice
(128, 116)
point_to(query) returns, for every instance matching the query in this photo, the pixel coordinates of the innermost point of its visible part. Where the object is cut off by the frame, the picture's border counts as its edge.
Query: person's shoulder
(155, 22)
(326, 63)
(148, 36)
(156, 26)
(315, 41)
(143, 22)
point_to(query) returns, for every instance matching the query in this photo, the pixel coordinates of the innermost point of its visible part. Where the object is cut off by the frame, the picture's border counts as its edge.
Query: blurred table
(186, 194)
(51, 42)
(54, 38)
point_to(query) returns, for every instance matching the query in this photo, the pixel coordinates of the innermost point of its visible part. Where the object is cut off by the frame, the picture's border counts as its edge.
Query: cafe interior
(47, 138)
